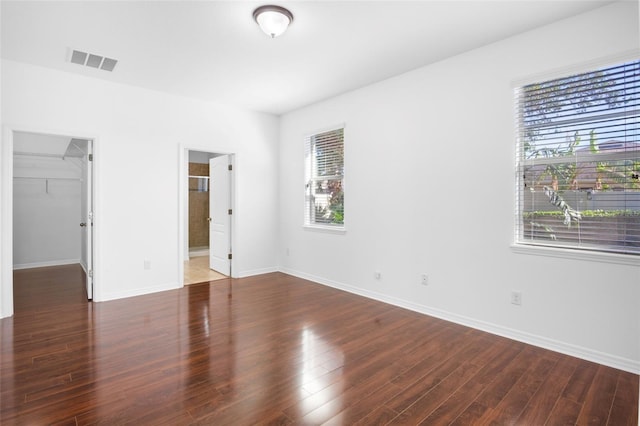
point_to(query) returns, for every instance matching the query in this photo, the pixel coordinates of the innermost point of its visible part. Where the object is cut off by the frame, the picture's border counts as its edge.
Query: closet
(47, 197)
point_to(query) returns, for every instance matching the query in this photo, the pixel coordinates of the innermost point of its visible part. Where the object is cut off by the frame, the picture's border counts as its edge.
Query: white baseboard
(137, 292)
(167, 286)
(614, 361)
(252, 272)
(43, 264)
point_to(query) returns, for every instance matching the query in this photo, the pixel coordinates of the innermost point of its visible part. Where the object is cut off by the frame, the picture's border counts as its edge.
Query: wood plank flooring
(41, 288)
(275, 349)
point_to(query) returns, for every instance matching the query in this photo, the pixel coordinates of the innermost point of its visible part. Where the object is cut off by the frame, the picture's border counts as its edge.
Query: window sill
(620, 259)
(327, 229)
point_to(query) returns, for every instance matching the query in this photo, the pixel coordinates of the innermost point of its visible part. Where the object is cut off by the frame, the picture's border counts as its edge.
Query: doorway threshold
(198, 251)
(196, 270)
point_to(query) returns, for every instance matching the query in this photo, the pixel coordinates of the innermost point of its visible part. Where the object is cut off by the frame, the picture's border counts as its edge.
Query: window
(578, 161)
(324, 179)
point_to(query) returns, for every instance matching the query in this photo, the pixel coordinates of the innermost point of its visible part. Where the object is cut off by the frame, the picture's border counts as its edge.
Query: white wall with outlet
(429, 189)
(138, 133)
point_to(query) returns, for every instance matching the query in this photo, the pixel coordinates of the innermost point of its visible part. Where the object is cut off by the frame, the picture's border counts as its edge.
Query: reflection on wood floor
(196, 270)
(274, 349)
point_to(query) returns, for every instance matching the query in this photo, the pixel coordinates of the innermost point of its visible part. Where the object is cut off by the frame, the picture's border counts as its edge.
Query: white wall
(138, 133)
(409, 141)
(46, 211)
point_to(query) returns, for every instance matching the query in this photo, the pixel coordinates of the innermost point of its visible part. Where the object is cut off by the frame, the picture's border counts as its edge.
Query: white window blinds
(578, 161)
(324, 179)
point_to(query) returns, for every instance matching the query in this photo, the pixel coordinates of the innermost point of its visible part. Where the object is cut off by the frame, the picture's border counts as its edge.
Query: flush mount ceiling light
(273, 20)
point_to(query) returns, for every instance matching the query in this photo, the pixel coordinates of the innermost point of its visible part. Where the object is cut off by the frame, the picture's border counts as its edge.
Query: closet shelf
(46, 155)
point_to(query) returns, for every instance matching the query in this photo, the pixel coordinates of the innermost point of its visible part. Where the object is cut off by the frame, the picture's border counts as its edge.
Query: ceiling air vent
(93, 61)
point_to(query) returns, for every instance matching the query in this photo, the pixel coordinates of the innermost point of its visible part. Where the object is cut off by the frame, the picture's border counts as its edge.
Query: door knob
(83, 224)
(209, 219)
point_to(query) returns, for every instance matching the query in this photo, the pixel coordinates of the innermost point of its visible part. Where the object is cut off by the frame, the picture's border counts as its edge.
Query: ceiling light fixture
(273, 20)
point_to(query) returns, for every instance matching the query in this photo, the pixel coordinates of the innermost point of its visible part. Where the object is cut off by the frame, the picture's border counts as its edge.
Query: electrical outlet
(377, 275)
(147, 264)
(516, 298)
(424, 279)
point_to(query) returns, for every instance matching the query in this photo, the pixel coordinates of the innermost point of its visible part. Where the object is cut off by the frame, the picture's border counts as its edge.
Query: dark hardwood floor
(41, 289)
(275, 349)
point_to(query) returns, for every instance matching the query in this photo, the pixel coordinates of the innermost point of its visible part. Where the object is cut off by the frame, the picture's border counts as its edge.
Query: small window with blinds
(578, 161)
(324, 179)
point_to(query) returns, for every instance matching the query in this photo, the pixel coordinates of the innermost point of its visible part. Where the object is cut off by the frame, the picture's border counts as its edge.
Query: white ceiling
(213, 50)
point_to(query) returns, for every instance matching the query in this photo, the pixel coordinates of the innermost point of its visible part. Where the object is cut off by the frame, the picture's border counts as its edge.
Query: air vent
(108, 64)
(92, 60)
(78, 57)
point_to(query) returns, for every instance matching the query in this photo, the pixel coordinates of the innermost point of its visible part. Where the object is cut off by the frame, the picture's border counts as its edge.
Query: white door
(87, 217)
(220, 215)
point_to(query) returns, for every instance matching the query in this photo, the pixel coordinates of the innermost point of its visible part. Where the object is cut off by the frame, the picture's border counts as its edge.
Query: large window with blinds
(578, 161)
(324, 179)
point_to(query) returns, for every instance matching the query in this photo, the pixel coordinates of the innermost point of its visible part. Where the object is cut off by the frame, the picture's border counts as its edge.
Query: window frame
(532, 247)
(307, 224)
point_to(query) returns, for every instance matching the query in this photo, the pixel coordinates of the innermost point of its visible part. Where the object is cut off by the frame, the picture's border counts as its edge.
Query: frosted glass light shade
(273, 20)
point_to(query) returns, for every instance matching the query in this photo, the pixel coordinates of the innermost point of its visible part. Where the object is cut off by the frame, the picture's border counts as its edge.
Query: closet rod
(37, 154)
(199, 177)
(47, 178)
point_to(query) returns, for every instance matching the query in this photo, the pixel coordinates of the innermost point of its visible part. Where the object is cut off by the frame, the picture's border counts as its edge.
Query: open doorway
(208, 217)
(52, 212)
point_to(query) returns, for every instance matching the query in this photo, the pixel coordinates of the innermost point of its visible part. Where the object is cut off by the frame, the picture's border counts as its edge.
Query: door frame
(183, 206)
(6, 212)
(89, 210)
